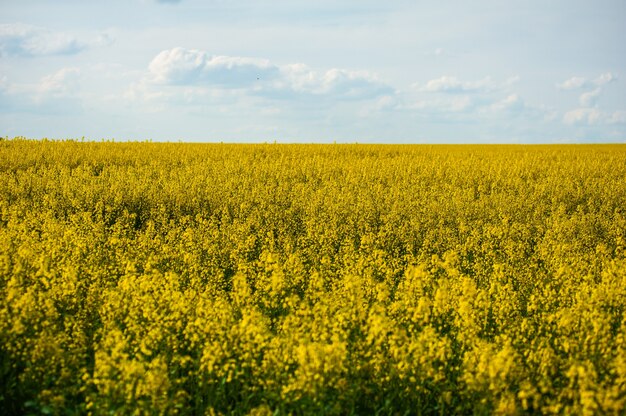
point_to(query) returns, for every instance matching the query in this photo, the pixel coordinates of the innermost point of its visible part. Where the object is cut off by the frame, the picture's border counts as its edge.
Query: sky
(395, 71)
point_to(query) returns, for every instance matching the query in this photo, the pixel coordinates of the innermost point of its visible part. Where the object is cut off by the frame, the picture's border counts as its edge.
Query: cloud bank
(450, 84)
(453, 85)
(261, 77)
(589, 112)
(181, 66)
(17, 39)
(591, 89)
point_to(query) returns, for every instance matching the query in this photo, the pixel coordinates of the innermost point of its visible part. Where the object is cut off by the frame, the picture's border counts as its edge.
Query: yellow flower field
(162, 278)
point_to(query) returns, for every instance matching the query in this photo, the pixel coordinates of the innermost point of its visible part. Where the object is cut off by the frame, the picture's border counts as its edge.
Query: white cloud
(513, 106)
(592, 90)
(141, 91)
(605, 78)
(20, 39)
(617, 117)
(451, 84)
(443, 84)
(191, 67)
(583, 116)
(17, 39)
(336, 82)
(64, 82)
(573, 83)
(451, 97)
(512, 102)
(462, 103)
(511, 81)
(594, 116)
(589, 98)
(443, 105)
(386, 102)
(181, 66)
(56, 93)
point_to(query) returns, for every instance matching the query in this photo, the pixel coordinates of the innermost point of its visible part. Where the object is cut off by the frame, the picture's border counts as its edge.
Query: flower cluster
(145, 278)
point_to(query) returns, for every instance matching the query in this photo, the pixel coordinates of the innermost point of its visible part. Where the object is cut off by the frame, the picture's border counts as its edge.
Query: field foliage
(146, 278)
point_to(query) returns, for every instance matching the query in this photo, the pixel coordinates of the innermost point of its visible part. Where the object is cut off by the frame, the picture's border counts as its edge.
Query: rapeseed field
(192, 279)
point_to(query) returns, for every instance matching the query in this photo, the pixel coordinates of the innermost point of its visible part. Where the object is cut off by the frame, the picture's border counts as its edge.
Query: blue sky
(397, 71)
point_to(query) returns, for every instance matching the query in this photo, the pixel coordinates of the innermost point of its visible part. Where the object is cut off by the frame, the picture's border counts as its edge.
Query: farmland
(172, 278)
